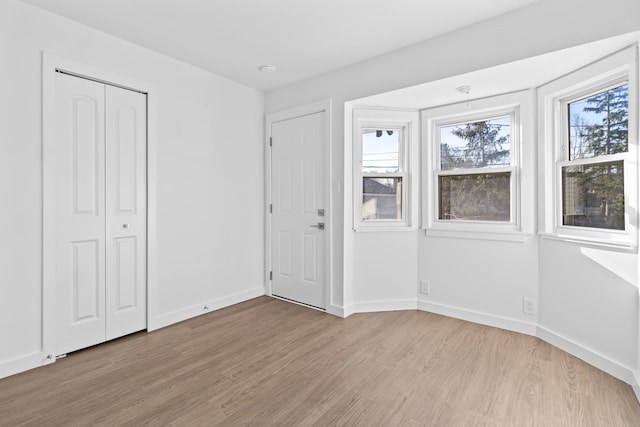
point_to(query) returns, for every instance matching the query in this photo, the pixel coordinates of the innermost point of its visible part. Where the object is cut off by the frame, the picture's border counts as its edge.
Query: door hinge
(271, 208)
(270, 142)
(271, 275)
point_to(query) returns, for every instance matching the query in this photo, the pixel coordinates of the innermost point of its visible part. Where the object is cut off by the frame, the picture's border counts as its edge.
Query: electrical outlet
(425, 287)
(529, 306)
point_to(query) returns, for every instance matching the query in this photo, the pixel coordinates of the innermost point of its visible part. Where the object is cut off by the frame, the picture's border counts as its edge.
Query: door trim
(304, 110)
(50, 64)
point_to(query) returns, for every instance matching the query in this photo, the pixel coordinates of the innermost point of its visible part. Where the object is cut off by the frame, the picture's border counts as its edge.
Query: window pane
(380, 150)
(476, 144)
(593, 195)
(382, 198)
(476, 197)
(599, 124)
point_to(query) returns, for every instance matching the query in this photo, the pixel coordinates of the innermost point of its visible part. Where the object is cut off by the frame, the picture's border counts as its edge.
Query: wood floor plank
(267, 362)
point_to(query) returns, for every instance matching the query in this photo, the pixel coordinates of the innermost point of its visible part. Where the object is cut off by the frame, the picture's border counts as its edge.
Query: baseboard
(23, 363)
(636, 384)
(607, 365)
(336, 310)
(478, 317)
(375, 306)
(601, 362)
(203, 308)
(37, 359)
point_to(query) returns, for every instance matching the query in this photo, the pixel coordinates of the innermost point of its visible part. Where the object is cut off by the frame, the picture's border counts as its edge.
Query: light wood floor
(267, 362)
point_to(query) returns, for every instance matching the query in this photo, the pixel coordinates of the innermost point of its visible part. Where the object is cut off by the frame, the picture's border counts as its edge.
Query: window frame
(406, 123)
(474, 117)
(401, 173)
(517, 106)
(554, 99)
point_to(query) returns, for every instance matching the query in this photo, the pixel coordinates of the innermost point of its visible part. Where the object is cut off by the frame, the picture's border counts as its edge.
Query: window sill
(478, 235)
(630, 246)
(383, 229)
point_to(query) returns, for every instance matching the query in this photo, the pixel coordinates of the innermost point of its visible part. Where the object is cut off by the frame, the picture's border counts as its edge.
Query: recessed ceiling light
(268, 68)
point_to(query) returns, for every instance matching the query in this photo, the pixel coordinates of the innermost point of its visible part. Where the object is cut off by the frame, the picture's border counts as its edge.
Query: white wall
(491, 289)
(589, 297)
(385, 271)
(209, 152)
(480, 280)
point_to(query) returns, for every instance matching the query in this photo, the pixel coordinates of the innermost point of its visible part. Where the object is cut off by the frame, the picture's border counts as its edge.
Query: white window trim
(406, 121)
(518, 106)
(553, 97)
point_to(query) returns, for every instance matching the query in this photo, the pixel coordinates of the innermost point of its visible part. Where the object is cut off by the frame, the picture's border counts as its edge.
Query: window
(592, 173)
(590, 132)
(474, 174)
(382, 162)
(476, 185)
(382, 174)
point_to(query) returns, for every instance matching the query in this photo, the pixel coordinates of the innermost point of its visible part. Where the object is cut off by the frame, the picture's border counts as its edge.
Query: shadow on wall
(615, 263)
(589, 295)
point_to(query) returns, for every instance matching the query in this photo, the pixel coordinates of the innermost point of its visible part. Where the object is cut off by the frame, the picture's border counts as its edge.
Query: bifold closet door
(100, 212)
(126, 202)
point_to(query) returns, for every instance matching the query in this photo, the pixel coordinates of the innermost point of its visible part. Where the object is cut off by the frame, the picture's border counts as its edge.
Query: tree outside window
(473, 184)
(593, 179)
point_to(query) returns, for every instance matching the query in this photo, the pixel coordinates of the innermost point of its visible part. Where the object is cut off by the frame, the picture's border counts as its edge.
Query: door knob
(319, 226)
(125, 225)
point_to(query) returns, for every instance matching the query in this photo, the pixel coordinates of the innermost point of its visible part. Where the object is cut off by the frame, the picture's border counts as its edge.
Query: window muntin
(475, 177)
(592, 172)
(382, 168)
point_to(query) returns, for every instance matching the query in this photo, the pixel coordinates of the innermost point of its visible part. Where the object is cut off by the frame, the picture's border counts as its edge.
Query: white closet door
(126, 291)
(80, 213)
(100, 212)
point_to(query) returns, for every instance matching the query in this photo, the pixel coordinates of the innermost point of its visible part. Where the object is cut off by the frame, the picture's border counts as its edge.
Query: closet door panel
(126, 142)
(80, 213)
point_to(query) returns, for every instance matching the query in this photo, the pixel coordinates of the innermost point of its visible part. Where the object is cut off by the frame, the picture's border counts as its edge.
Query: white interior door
(80, 213)
(100, 212)
(298, 197)
(126, 203)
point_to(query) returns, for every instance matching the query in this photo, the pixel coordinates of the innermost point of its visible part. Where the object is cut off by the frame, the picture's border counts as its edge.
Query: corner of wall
(338, 311)
(635, 384)
(477, 317)
(590, 356)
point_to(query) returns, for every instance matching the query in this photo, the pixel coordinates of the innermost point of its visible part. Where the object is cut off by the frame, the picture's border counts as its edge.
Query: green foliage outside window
(593, 193)
(475, 197)
(482, 196)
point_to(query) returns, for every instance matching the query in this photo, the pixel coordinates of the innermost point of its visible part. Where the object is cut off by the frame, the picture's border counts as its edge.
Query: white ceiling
(303, 38)
(514, 76)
